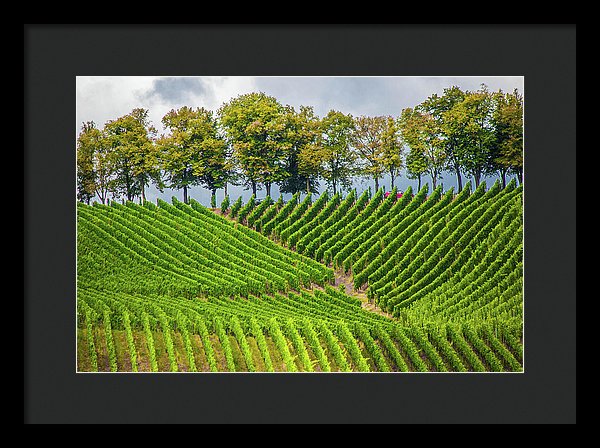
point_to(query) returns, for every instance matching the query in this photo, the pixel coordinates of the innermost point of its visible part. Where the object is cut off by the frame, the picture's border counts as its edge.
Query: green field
(430, 282)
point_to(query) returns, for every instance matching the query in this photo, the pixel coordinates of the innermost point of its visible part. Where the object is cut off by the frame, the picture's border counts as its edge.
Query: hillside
(176, 287)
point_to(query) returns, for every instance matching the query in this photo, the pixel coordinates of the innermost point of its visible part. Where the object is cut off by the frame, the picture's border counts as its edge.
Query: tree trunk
(101, 195)
(185, 195)
(254, 188)
(458, 177)
(307, 185)
(128, 193)
(225, 188)
(419, 189)
(376, 184)
(392, 178)
(268, 188)
(520, 176)
(503, 177)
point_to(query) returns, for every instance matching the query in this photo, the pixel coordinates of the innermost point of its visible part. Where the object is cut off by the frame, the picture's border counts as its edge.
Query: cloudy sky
(101, 98)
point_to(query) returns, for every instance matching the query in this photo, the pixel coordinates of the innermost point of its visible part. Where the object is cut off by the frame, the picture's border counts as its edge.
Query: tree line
(255, 141)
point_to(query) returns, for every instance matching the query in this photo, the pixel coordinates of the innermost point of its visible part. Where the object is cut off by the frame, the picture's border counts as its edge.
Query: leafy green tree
(367, 140)
(310, 162)
(333, 151)
(193, 153)
(89, 147)
(392, 149)
(471, 121)
(213, 169)
(300, 130)
(507, 152)
(232, 176)
(253, 127)
(416, 165)
(451, 130)
(133, 154)
(427, 153)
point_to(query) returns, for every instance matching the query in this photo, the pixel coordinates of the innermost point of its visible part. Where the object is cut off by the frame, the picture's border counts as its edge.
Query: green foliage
(90, 338)
(427, 153)
(166, 332)
(193, 153)
(282, 345)
(110, 344)
(208, 348)
(235, 208)
(253, 126)
(134, 158)
(246, 209)
(300, 131)
(297, 341)
(225, 344)
(507, 122)
(92, 166)
(313, 340)
(182, 328)
(377, 144)
(225, 205)
(240, 335)
(256, 141)
(350, 344)
(258, 334)
(150, 341)
(332, 156)
(130, 342)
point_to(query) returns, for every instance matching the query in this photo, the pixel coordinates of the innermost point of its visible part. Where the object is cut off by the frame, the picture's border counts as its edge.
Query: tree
(507, 151)
(416, 164)
(214, 162)
(427, 153)
(133, 154)
(230, 170)
(253, 127)
(193, 153)
(367, 139)
(471, 120)
(451, 130)
(89, 145)
(311, 160)
(392, 149)
(333, 151)
(300, 130)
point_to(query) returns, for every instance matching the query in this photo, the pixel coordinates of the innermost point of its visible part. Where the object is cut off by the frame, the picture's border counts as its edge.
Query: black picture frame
(544, 54)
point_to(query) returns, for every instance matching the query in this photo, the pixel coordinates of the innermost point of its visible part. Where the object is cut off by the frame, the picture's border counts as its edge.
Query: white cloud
(104, 98)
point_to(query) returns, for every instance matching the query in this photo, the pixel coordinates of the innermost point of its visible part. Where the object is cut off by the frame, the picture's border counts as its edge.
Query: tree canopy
(256, 141)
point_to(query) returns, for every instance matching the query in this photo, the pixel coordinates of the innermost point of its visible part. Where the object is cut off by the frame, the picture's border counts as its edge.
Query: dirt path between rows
(341, 278)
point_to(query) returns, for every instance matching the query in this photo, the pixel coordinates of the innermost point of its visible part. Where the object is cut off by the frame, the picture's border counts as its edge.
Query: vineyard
(435, 284)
